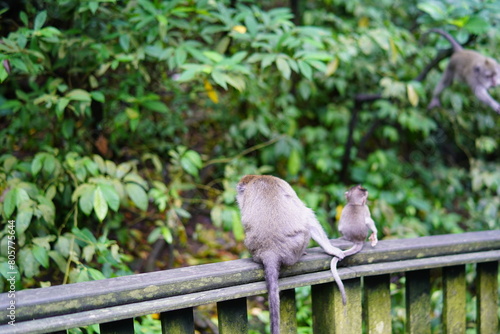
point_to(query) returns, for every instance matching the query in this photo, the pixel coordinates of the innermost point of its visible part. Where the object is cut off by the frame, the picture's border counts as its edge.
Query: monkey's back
(352, 223)
(275, 220)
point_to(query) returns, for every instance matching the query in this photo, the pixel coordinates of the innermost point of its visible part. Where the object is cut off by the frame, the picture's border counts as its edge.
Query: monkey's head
(488, 73)
(357, 195)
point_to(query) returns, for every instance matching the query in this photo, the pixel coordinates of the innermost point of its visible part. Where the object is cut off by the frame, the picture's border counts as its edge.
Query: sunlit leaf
(284, 68)
(110, 195)
(240, 29)
(100, 204)
(40, 20)
(137, 195)
(412, 95)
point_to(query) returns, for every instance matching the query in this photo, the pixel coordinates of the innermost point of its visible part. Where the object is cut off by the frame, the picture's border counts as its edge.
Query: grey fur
(355, 221)
(278, 228)
(480, 73)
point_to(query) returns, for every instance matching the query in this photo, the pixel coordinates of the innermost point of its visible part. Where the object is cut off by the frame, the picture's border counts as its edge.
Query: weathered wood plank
(348, 318)
(487, 298)
(288, 311)
(77, 319)
(177, 321)
(125, 326)
(333, 317)
(418, 302)
(66, 299)
(233, 318)
(378, 304)
(323, 308)
(454, 321)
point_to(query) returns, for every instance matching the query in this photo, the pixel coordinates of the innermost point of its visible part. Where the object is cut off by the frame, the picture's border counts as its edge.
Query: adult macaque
(479, 72)
(355, 221)
(278, 228)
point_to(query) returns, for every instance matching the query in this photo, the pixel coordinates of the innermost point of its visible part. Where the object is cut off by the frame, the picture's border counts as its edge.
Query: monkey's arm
(319, 235)
(371, 225)
(483, 96)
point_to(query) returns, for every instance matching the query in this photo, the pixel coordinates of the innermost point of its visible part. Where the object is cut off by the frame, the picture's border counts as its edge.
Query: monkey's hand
(373, 239)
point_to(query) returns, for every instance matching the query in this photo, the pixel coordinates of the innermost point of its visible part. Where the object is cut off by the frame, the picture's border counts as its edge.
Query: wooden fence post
(418, 302)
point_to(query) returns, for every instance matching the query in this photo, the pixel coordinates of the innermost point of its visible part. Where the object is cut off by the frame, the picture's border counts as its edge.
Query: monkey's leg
(445, 81)
(373, 239)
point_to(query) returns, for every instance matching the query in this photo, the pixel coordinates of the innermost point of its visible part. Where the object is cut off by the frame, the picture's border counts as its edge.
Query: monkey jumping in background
(480, 73)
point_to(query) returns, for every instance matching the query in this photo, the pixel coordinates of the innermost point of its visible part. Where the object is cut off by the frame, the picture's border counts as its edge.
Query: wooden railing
(113, 303)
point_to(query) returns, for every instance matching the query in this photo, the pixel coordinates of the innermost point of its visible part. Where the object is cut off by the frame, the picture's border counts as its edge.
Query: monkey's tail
(333, 269)
(455, 45)
(358, 246)
(271, 269)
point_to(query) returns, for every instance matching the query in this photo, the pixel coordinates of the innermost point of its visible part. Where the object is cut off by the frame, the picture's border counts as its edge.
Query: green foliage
(126, 125)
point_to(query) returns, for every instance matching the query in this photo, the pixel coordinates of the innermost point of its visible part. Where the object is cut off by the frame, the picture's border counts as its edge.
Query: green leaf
(37, 163)
(137, 195)
(68, 127)
(477, 25)
(215, 56)
(87, 199)
(40, 20)
(180, 56)
(167, 235)
(49, 164)
(124, 41)
(123, 169)
(88, 252)
(96, 274)
(21, 197)
(220, 78)
(284, 68)
(23, 220)
(294, 162)
(98, 96)
(191, 162)
(58, 259)
(188, 75)
(9, 204)
(61, 105)
(27, 262)
(79, 95)
(93, 6)
(111, 196)
(48, 213)
(10, 163)
(154, 235)
(238, 230)
(435, 9)
(84, 235)
(156, 106)
(100, 205)
(41, 255)
(305, 69)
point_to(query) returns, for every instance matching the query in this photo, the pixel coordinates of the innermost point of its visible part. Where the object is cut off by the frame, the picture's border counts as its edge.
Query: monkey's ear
(240, 187)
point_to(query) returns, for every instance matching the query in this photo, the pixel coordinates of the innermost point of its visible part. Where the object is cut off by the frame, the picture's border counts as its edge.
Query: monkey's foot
(340, 255)
(373, 239)
(434, 103)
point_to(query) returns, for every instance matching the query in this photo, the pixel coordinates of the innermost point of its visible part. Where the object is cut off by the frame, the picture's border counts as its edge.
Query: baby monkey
(278, 228)
(480, 73)
(355, 221)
